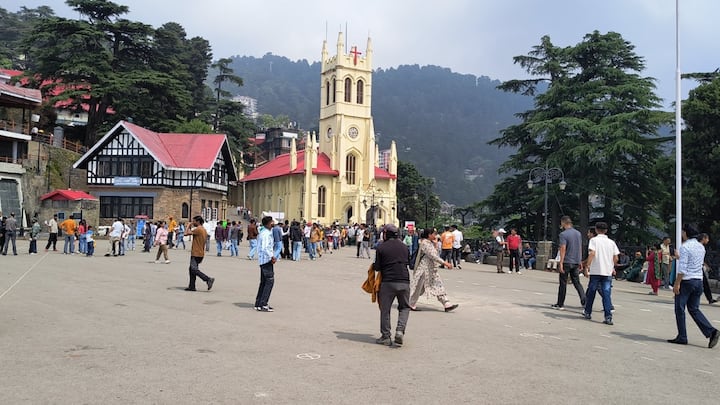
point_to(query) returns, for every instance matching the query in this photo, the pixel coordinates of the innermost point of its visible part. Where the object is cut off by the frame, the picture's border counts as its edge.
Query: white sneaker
(157, 261)
(519, 272)
(167, 261)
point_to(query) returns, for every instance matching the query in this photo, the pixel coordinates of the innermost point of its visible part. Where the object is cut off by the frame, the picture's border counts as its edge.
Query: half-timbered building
(135, 171)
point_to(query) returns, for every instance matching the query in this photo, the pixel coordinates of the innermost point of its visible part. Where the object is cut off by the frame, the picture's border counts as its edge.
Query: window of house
(350, 162)
(125, 207)
(348, 90)
(334, 87)
(322, 193)
(185, 211)
(360, 88)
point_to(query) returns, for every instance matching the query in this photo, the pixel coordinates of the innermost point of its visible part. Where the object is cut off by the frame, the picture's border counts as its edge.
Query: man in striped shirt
(688, 288)
(267, 261)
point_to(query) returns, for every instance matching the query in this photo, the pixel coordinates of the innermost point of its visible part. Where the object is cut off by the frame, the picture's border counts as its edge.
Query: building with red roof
(136, 171)
(337, 175)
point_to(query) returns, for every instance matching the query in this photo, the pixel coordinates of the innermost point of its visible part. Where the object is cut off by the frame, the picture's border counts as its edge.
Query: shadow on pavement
(638, 337)
(355, 337)
(244, 304)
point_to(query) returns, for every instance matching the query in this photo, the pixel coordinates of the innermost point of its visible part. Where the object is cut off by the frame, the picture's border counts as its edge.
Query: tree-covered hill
(441, 120)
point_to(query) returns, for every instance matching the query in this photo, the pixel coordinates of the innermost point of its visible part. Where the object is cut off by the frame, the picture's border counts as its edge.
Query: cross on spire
(355, 54)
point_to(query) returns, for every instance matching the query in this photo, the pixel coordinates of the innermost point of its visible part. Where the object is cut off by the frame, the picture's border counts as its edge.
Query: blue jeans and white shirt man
(266, 261)
(602, 257)
(688, 289)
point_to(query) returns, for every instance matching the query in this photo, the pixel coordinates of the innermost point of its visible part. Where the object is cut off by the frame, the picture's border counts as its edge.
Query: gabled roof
(12, 95)
(183, 152)
(67, 195)
(280, 166)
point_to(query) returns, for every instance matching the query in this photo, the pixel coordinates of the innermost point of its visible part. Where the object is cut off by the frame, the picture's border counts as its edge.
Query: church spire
(368, 52)
(340, 45)
(293, 155)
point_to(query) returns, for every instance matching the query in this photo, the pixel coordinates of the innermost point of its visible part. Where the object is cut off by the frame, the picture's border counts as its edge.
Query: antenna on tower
(326, 30)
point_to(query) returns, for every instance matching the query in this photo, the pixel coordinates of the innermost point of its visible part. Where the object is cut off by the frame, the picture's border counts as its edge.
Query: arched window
(327, 93)
(348, 90)
(322, 194)
(350, 163)
(334, 84)
(360, 88)
(185, 210)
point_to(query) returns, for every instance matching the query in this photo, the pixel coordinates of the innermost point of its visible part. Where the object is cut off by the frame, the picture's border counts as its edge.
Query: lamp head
(530, 184)
(563, 184)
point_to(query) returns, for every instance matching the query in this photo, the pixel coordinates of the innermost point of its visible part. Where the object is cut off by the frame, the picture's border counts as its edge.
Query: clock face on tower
(329, 133)
(353, 132)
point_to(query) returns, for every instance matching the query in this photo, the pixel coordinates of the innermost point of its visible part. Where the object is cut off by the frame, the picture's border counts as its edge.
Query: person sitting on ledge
(635, 269)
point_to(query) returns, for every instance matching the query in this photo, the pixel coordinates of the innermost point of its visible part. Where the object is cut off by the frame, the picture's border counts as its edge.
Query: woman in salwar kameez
(425, 277)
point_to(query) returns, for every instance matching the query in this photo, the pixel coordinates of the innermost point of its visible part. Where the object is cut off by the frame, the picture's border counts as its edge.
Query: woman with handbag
(425, 277)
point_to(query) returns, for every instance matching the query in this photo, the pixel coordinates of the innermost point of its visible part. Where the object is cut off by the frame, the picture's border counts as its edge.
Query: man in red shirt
(514, 241)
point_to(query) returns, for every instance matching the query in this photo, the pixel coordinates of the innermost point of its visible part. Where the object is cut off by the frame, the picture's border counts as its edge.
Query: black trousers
(52, 240)
(572, 271)
(195, 271)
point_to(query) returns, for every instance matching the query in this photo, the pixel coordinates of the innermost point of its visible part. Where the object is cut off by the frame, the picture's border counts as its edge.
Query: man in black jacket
(391, 260)
(296, 237)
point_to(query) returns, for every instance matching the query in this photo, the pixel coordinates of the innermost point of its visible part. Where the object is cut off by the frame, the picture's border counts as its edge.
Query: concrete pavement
(122, 330)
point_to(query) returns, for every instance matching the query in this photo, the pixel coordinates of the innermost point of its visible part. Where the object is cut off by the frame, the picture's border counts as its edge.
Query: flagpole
(678, 132)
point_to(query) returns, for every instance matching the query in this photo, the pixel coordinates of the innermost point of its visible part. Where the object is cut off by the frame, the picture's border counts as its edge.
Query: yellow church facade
(335, 177)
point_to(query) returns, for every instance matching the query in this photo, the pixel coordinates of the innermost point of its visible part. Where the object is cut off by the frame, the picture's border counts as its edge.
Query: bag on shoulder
(496, 246)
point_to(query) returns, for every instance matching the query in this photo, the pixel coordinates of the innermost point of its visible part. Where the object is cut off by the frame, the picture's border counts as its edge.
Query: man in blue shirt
(267, 260)
(570, 259)
(688, 288)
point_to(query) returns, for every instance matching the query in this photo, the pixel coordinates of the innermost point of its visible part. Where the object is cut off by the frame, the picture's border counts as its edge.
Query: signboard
(410, 225)
(127, 181)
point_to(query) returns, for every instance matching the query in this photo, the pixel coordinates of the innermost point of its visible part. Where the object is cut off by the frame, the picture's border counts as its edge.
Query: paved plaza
(121, 330)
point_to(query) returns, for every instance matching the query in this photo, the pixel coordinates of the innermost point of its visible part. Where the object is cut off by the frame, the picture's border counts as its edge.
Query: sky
(477, 37)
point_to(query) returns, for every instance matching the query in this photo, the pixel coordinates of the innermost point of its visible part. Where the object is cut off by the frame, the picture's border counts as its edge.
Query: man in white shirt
(602, 257)
(115, 233)
(457, 245)
(688, 288)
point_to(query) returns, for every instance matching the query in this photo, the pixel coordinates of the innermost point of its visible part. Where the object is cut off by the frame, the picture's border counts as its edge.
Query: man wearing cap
(688, 288)
(391, 260)
(500, 249)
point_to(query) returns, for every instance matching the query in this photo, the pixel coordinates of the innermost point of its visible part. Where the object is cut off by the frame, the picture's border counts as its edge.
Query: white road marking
(567, 327)
(460, 281)
(639, 343)
(703, 371)
(600, 348)
(476, 284)
(649, 330)
(677, 350)
(538, 293)
(647, 358)
(607, 336)
(516, 290)
(555, 337)
(22, 277)
(645, 310)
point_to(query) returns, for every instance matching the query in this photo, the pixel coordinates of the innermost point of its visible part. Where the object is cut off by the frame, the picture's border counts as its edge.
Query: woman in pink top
(161, 239)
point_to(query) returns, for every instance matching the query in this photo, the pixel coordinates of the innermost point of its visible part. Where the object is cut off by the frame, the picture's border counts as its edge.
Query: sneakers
(519, 272)
(713, 339)
(266, 309)
(210, 283)
(190, 289)
(167, 261)
(399, 338)
(586, 315)
(385, 341)
(608, 321)
(558, 307)
(157, 261)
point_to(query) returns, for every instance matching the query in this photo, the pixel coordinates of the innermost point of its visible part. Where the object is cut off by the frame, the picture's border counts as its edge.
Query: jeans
(529, 263)
(312, 250)
(388, 292)
(277, 249)
(336, 242)
(195, 271)
(219, 246)
(233, 247)
(604, 283)
(131, 242)
(253, 248)
(514, 260)
(69, 244)
(90, 248)
(456, 257)
(122, 247)
(9, 237)
(180, 240)
(82, 244)
(690, 293)
(572, 270)
(33, 245)
(297, 246)
(267, 281)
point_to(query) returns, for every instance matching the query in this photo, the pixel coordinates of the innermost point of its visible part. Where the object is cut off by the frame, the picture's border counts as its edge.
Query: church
(336, 176)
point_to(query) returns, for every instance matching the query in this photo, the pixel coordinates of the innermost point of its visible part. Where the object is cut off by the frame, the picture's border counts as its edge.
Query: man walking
(602, 258)
(570, 259)
(52, 239)
(514, 241)
(666, 259)
(10, 234)
(457, 245)
(391, 260)
(688, 288)
(267, 262)
(197, 253)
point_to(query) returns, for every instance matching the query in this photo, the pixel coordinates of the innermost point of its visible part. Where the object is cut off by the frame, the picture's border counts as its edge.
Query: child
(90, 241)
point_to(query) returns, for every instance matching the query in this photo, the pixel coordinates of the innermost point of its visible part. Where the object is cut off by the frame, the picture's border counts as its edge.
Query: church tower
(347, 136)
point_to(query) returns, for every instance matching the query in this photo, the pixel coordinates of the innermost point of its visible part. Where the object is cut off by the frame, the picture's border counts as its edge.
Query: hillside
(441, 120)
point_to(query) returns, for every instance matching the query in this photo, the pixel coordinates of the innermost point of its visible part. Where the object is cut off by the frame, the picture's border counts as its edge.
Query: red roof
(67, 195)
(21, 94)
(280, 166)
(171, 150)
(381, 173)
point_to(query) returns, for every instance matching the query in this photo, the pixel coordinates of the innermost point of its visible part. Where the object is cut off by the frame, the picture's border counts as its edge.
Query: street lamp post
(539, 174)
